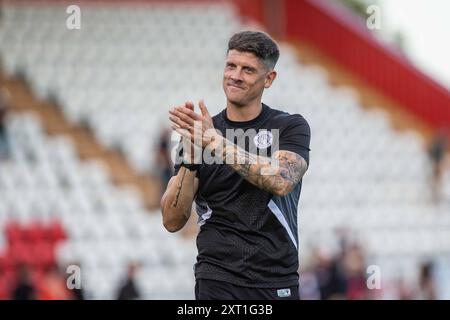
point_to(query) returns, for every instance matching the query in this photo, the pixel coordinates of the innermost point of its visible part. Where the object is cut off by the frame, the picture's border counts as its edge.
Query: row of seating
(122, 72)
(103, 228)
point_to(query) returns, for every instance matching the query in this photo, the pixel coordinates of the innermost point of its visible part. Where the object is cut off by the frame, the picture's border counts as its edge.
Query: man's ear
(270, 77)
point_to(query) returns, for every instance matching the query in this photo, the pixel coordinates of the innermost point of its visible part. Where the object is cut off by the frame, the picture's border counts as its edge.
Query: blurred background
(85, 150)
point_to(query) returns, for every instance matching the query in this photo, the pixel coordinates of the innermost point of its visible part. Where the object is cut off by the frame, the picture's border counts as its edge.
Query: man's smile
(235, 86)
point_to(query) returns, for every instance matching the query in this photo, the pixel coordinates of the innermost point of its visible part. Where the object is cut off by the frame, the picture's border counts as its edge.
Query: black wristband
(190, 166)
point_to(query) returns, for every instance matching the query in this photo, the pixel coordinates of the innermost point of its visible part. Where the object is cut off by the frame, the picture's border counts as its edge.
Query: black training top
(248, 237)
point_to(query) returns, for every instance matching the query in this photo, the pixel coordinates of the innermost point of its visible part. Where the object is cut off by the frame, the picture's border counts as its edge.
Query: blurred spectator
(54, 286)
(4, 107)
(355, 273)
(25, 288)
(343, 275)
(436, 152)
(330, 276)
(404, 291)
(308, 285)
(164, 163)
(427, 287)
(77, 294)
(128, 291)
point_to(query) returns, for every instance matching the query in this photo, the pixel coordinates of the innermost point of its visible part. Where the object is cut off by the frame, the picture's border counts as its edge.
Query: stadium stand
(119, 75)
(107, 227)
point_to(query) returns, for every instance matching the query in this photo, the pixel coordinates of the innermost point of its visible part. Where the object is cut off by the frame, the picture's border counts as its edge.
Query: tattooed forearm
(292, 166)
(278, 177)
(176, 202)
(243, 169)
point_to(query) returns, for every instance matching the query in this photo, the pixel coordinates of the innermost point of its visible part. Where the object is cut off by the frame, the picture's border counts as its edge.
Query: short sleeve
(296, 136)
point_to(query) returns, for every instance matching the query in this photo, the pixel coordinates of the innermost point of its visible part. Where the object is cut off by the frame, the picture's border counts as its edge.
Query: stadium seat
(120, 78)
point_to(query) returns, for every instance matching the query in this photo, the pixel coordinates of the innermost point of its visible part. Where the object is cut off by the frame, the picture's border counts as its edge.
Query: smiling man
(247, 204)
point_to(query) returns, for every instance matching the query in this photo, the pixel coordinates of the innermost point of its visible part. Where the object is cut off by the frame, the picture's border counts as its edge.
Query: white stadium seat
(122, 72)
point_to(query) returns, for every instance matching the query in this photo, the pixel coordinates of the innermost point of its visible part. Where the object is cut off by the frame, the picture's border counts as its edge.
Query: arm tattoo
(261, 171)
(292, 166)
(177, 195)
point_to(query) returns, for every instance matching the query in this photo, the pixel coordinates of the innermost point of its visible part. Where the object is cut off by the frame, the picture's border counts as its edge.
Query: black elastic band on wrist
(190, 166)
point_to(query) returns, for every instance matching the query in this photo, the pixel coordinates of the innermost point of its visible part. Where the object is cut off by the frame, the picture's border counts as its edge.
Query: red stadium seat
(7, 282)
(56, 231)
(35, 232)
(13, 232)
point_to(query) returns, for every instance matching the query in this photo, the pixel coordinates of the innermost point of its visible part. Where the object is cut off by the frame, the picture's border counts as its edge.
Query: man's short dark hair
(258, 43)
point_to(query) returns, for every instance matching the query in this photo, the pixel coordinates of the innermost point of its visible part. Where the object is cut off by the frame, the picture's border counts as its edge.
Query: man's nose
(236, 75)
